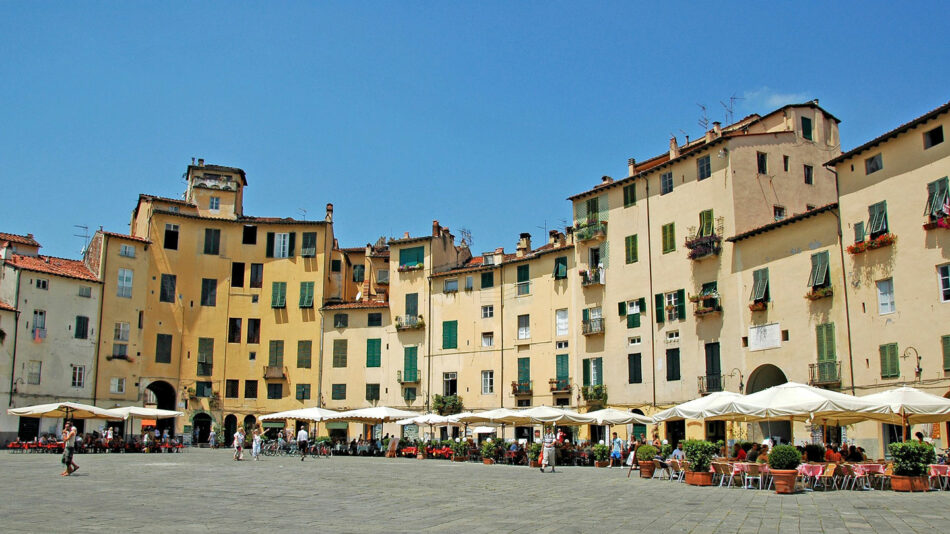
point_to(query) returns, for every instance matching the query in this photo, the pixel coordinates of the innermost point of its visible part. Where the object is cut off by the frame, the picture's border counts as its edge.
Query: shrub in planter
(601, 453)
(815, 452)
(666, 450)
(783, 461)
(459, 448)
(911, 465)
(534, 451)
(488, 450)
(699, 453)
(645, 454)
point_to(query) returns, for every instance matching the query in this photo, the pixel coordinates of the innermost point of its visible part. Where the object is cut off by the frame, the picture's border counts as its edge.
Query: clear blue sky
(483, 115)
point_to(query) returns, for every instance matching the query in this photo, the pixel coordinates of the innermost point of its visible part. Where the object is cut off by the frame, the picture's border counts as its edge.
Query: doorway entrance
(764, 377)
(675, 432)
(202, 427)
(29, 428)
(230, 427)
(162, 395)
(638, 430)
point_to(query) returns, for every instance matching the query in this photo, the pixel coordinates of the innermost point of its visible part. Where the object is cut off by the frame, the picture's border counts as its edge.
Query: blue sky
(483, 115)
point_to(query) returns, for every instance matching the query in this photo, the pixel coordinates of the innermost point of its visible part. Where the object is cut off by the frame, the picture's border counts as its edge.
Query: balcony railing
(710, 384)
(592, 327)
(592, 277)
(591, 230)
(706, 304)
(407, 376)
(704, 246)
(276, 372)
(409, 322)
(560, 385)
(824, 374)
(521, 387)
(596, 394)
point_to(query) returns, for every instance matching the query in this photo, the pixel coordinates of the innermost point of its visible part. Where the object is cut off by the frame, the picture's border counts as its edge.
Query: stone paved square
(205, 491)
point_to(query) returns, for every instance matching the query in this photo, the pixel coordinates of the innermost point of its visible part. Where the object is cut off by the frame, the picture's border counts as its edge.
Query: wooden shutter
(622, 308)
(945, 343)
(706, 223)
(524, 369)
(629, 195)
(293, 242)
(634, 373)
(633, 320)
(586, 381)
(373, 351)
(409, 364)
(339, 353)
(561, 367)
(630, 248)
(681, 304)
(304, 349)
(449, 334)
(523, 273)
(859, 231)
(598, 370)
(660, 308)
(269, 244)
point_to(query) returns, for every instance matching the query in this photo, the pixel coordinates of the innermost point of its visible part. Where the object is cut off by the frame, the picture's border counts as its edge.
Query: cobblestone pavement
(205, 491)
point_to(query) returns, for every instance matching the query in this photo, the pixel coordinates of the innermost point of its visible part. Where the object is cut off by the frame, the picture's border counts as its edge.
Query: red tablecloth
(867, 469)
(810, 470)
(937, 470)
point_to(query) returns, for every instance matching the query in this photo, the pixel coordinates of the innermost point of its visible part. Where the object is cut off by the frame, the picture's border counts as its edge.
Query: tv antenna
(731, 107)
(84, 235)
(466, 236)
(303, 212)
(685, 135)
(703, 119)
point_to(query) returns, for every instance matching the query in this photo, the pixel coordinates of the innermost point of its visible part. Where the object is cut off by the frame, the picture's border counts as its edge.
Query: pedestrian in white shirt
(303, 442)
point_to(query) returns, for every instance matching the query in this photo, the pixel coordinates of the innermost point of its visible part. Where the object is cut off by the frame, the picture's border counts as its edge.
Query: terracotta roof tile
(778, 224)
(5, 306)
(51, 265)
(165, 199)
(125, 236)
(357, 305)
(22, 239)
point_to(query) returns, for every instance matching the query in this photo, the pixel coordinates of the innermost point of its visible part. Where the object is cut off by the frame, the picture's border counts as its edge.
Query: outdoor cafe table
(941, 473)
(868, 469)
(811, 470)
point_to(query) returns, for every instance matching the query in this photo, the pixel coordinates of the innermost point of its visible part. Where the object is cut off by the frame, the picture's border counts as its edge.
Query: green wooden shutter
(660, 311)
(278, 298)
(409, 366)
(523, 273)
(586, 372)
(680, 304)
(622, 308)
(524, 369)
(585, 313)
(304, 347)
(449, 334)
(945, 342)
(706, 223)
(633, 320)
(630, 248)
(373, 351)
(560, 268)
(598, 370)
(269, 251)
(290, 246)
(859, 231)
(561, 367)
(629, 195)
(890, 366)
(642, 304)
(760, 284)
(825, 337)
(806, 128)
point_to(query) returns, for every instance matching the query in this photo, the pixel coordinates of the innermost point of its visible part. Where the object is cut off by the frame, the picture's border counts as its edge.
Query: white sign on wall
(767, 336)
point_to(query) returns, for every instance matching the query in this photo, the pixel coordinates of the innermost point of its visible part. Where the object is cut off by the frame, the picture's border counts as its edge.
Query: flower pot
(457, 458)
(646, 469)
(421, 456)
(605, 463)
(784, 480)
(902, 483)
(534, 464)
(699, 478)
(488, 461)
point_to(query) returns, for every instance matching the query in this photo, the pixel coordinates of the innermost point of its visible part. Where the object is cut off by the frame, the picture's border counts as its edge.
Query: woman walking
(256, 446)
(239, 444)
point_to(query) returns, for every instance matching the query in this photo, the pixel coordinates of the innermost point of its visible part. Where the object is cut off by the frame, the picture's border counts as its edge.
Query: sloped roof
(891, 134)
(22, 239)
(7, 307)
(784, 222)
(52, 265)
(356, 305)
(125, 236)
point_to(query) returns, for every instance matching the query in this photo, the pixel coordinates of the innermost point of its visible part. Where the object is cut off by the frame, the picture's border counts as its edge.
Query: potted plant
(601, 452)
(488, 451)
(783, 464)
(699, 453)
(759, 305)
(818, 293)
(645, 454)
(459, 450)
(534, 451)
(911, 462)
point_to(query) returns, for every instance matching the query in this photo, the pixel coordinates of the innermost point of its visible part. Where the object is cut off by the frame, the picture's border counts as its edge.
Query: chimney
(631, 166)
(710, 136)
(329, 217)
(405, 235)
(524, 244)
(717, 128)
(604, 180)
(552, 236)
(674, 148)
(192, 161)
(201, 162)
(336, 244)
(436, 229)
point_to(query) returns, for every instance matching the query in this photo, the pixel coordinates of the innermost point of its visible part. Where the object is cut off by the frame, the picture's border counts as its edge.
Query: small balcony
(705, 242)
(818, 293)
(590, 230)
(593, 277)
(592, 327)
(596, 394)
(709, 384)
(410, 267)
(409, 322)
(521, 387)
(560, 385)
(824, 374)
(706, 305)
(407, 376)
(275, 372)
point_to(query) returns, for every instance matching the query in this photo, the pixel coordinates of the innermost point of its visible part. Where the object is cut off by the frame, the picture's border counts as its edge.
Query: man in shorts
(69, 442)
(547, 451)
(616, 449)
(303, 442)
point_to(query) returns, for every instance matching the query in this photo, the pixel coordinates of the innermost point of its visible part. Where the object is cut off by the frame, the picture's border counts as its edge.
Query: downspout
(429, 345)
(103, 269)
(320, 363)
(847, 307)
(227, 328)
(16, 332)
(651, 295)
(501, 334)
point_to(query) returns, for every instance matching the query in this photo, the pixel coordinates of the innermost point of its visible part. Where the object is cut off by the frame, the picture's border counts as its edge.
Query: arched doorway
(201, 423)
(764, 377)
(250, 422)
(230, 427)
(161, 394)
(638, 430)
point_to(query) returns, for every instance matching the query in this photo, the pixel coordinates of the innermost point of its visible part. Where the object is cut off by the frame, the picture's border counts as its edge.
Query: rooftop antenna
(731, 107)
(304, 212)
(686, 135)
(703, 119)
(466, 235)
(545, 227)
(84, 235)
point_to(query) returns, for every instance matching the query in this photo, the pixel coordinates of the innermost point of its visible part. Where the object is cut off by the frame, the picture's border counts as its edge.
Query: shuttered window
(275, 355)
(703, 168)
(659, 309)
(634, 371)
(306, 294)
(825, 337)
(629, 195)
(936, 198)
(593, 371)
(819, 270)
(278, 295)
(359, 273)
(806, 128)
(672, 364)
(669, 238)
(308, 245)
(212, 241)
(163, 348)
(450, 334)
(859, 231)
(373, 352)
(372, 392)
(209, 292)
(877, 219)
(205, 356)
(524, 369)
(760, 285)
(338, 392)
(303, 391)
(339, 353)
(562, 371)
(630, 248)
(488, 280)
(304, 350)
(706, 223)
(890, 364)
(410, 362)
(411, 256)
(633, 314)
(945, 344)
(560, 269)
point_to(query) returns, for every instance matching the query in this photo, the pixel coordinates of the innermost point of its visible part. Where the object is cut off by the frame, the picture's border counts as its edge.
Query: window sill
(525, 341)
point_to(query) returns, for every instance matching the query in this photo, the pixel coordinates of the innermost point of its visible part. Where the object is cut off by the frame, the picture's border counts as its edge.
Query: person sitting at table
(753, 453)
(677, 453)
(763, 456)
(739, 453)
(829, 452)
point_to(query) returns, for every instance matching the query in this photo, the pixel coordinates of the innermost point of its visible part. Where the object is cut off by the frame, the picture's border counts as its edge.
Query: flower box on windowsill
(670, 308)
(704, 311)
(883, 240)
(942, 222)
(818, 293)
(759, 306)
(705, 246)
(408, 268)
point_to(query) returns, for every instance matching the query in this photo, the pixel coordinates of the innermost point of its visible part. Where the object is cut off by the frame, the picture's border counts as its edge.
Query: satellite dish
(359, 294)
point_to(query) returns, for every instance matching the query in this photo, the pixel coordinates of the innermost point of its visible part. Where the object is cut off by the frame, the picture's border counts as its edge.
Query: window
(669, 238)
(760, 285)
(280, 245)
(629, 195)
(410, 257)
(488, 280)
(338, 392)
(374, 352)
(890, 364)
(670, 306)
(809, 173)
(524, 285)
(524, 327)
(672, 364)
(412, 304)
(306, 294)
(231, 388)
(275, 356)
(633, 341)
(560, 345)
(127, 250)
(449, 383)
(374, 319)
(124, 283)
(450, 285)
(163, 348)
(943, 274)
(209, 291)
(275, 391)
(825, 341)
(237, 274)
(885, 296)
(39, 324)
(250, 388)
(304, 348)
(560, 268)
(171, 236)
(278, 295)
(634, 371)
(341, 320)
(249, 237)
(409, 394)
(85, 291)
(117, 385)
(308, 246)
(303, 391)
(785, 163)
(938, 203)
(873, 164)
(251, 356)
(488, 339)
(253, 331)
(359, 273)
(336, 266)
(450, 331)
(122, 332)
(933, 137)
(945, 344)
(806, 128)
(214, 203)
(409, 364)
(469, 283)
(561, 322)
(762, 162)
(205, 356)
(818, 276)
(167, 291)
(339, 353)
(212, 241)
(666, 183)
(630, 248)
(257, 275)
(706, 223)
(82, 327)
(778, 212)
(372, 392)
(488, 382)
(632, 310)
(593, 371)
(703, 169)
(488, 311)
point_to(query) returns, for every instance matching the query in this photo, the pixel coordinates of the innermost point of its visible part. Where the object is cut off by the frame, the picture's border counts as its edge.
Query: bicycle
(320, 449)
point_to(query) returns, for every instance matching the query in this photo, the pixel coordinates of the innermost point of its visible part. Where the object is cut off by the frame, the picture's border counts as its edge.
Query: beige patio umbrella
(374, 415)
(496, 416)
(910, 406)
(130, 412)
(313, 414)
(696, 408)
(66, 410)
(613, 416)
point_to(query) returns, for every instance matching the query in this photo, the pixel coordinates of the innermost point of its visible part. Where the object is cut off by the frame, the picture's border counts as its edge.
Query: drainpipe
(429, 345)
(844, 280)
(16, 332)
(651, 295)
(501, 334)
(103, 269)
(320, 365)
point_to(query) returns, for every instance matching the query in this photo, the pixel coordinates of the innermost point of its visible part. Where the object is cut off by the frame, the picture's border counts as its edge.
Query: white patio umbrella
(130, 412)
(489, 416)
(911, 406)
(66, 410)
(696, 408)
(374, 415)
(613, 416)
(305, 414)
(550, 415)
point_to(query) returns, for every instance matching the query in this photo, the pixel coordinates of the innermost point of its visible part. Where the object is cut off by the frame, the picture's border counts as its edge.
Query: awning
(337, 425)
(272, 424)
(148, 422)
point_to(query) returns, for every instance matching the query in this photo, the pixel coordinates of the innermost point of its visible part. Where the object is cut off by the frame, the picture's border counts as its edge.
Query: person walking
(547, 451)
(239, 444)
(212, 439)
(616, 450)
(69, 449)
(303, 441)
(256, 445)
